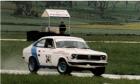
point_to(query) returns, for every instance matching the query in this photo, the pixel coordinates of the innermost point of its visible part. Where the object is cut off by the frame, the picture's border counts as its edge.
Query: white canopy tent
(56, 13)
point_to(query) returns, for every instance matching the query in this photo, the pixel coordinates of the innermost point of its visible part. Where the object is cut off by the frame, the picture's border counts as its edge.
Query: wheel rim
(62, 67)
(31, 65)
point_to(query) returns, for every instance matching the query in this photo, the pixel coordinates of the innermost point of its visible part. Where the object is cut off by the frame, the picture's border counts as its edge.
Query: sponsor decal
(48, 58)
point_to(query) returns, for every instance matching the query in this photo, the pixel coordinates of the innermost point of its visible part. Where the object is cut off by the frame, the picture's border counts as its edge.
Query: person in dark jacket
(62, 28)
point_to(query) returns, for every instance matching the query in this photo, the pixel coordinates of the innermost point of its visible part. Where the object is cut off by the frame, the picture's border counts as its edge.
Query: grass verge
(59, 79)
(123, 58)
(88, 37)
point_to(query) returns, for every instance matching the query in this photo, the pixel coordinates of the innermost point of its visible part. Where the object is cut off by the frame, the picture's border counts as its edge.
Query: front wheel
(32, 65)
(98, 71)
(63, 68)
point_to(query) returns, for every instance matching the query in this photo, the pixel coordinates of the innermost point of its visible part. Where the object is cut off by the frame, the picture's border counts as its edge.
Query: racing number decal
(48, 58)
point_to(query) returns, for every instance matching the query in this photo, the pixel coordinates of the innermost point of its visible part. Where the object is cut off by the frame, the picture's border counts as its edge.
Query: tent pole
(69, 25)
(49, 25)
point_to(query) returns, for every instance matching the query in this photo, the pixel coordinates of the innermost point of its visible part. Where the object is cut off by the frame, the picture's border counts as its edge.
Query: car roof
(58, 38)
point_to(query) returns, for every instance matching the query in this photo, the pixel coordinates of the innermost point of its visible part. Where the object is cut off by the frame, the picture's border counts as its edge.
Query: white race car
(65, 53)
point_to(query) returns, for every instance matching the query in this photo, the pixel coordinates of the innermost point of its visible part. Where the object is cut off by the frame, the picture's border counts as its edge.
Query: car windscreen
(71, 44)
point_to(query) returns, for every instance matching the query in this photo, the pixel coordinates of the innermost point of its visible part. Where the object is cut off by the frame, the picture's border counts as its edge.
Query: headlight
(74, 56)
(103, 57)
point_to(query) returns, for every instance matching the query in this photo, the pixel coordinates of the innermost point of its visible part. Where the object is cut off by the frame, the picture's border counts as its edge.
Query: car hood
(82, 51)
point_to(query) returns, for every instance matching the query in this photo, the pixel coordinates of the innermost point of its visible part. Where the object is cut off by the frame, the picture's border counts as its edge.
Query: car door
(40, 51)
(49, 49)
(45, 49)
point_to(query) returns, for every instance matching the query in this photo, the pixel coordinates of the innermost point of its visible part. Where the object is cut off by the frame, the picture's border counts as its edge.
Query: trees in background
(99, 6)
(24, 8)
(114, 4)
(58, 4)
(137, 5)
(33, 8)
(29, 8)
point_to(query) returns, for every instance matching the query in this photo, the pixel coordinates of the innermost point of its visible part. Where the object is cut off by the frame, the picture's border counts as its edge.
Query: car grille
(89, 57)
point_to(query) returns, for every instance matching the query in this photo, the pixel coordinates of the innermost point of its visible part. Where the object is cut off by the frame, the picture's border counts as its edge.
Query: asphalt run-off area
(78, 74)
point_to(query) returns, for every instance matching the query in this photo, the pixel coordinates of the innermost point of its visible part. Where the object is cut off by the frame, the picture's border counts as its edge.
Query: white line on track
(13, 39)
(86, 41)
(111, 76)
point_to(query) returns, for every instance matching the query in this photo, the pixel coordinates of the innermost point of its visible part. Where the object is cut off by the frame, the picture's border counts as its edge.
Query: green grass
(123, 58)
(110, 37)
(19, 28)
(59, 79)
(22, 28)
(13, 35)
(109, 25)
(104, 31)
(88, 37)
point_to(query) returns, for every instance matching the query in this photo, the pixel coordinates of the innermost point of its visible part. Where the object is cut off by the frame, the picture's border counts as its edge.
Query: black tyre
(98, 71)
(33, 65)
(63, 67)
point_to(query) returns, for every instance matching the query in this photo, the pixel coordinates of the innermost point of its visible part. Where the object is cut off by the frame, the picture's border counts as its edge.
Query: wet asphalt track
(78, 74)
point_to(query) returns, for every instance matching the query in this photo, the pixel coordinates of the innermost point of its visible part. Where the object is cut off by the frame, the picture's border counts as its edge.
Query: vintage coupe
(66, 53)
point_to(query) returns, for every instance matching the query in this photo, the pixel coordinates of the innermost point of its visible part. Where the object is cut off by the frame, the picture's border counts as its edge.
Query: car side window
(49, 43)
(41, 43)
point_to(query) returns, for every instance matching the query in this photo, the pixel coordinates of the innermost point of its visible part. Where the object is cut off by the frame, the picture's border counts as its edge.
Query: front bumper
(87, 64)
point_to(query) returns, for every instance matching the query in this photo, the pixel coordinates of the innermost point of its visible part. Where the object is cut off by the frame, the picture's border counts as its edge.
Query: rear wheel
(32, 65)
(63, 67)
(98, 71)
